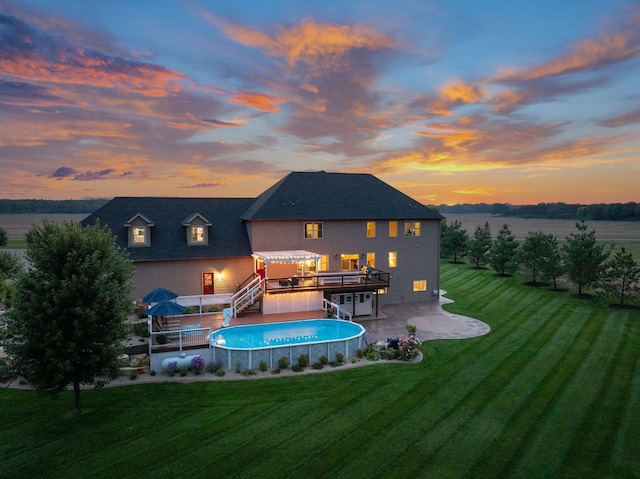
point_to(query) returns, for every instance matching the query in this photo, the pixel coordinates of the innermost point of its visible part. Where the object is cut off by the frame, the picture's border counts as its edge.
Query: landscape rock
(138, 360)
(123, 360)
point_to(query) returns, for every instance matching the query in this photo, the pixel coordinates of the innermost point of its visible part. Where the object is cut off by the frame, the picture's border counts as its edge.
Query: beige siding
(418, 256)
(185, 277)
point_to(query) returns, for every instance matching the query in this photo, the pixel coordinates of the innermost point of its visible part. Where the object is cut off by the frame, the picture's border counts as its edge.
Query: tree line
(581, 260)
(50, 206)
(597, 212)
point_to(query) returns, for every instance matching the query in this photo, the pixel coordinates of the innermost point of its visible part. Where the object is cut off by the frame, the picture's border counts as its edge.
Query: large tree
(503, 252)
(621, 279)
(479, 244)
(584, 257)
(10, 267)
(454, 240)
(533, 252)
(552, 266)
(70, 307)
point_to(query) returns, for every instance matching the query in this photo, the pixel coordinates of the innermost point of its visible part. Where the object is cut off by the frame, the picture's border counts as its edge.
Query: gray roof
(227, 235)
(335, 196)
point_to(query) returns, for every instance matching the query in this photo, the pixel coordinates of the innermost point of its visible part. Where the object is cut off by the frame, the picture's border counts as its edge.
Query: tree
(583, 257)
(621, 278)
(3, 237)
(10, 267)
(502, 255)
(479, 244)
(70, 307)
(552, 266)
(454, 240)
(533, 252)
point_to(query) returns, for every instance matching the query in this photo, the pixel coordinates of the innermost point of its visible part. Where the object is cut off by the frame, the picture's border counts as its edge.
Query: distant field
(17, 225)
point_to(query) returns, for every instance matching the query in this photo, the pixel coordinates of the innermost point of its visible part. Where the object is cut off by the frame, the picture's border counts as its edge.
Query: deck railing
(339, 312)
(323, 281)
(178, 339)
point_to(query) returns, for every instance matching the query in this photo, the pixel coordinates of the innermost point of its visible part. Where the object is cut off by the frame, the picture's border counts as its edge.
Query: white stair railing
(247, 296)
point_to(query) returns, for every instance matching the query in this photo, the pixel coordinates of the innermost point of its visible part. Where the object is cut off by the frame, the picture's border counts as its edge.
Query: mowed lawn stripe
(563, 422)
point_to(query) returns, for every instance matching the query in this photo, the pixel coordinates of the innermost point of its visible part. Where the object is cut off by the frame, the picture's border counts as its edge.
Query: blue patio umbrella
(158, 295)
(165, 308)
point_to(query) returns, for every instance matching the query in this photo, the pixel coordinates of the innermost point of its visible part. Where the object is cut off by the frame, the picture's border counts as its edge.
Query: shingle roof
(338, 196)
(227, 235)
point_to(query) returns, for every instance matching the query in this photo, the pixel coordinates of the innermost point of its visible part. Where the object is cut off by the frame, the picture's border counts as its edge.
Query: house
(348, 238)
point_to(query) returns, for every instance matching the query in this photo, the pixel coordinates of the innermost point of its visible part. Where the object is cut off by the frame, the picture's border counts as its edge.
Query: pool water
(286, 333)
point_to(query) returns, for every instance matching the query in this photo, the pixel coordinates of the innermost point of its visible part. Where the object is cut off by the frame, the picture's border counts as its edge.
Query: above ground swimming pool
(252, 344)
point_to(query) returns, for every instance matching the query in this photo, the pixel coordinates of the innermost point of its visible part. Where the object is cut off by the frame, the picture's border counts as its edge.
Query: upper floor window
(393, 259)
(420, 285)
(313, 230)
(139, 230)
(393, 229)
(197, 228)
(139, 235)
(197, 234)
(412, 228)
(371, 229)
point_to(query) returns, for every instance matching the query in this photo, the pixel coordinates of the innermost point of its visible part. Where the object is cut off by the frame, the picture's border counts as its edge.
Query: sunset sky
(449, 101)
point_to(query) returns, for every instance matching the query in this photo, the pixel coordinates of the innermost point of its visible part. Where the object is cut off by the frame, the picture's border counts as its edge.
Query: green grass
(553, 391)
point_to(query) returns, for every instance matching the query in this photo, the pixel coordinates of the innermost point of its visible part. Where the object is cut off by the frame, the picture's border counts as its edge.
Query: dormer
(197, 229)
(139, 231)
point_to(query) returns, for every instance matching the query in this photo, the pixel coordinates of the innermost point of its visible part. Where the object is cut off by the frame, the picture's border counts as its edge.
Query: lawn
(553, 391)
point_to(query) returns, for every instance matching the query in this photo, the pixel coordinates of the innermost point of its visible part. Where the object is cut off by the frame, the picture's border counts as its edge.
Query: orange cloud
(585, 55)
(459, 91)
(259, 101)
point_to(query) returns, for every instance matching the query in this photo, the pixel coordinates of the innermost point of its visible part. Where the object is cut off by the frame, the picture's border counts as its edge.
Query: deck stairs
(247, 295)
(171, 323)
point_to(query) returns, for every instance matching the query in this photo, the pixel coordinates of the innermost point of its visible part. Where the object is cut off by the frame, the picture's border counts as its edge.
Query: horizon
(520, 104)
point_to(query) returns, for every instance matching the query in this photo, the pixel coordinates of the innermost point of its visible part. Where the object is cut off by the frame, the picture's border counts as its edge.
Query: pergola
(287, 256)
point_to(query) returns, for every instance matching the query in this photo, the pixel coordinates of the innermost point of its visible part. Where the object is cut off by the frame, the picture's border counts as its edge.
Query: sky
(456, 101)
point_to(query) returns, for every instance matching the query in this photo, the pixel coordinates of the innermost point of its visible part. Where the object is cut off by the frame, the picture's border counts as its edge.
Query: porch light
(219, 275)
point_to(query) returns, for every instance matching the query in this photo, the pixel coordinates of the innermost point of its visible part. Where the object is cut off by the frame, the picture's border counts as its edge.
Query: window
(139, 235)
(349, 262)
(371, 229)
(420, 285)
(324, 262)
(197, 234)
(393, 259)
(412, 228)
(371, 259)
(313, 230)
(393, 229)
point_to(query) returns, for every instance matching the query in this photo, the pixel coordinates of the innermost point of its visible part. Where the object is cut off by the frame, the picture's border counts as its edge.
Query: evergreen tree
(584, 257)
(552, 266)
(479, 244)
(10, 267)
(454, 241)
(621, 279)
(532, 254)
(3, 237)
(70, 307)
(503, 252)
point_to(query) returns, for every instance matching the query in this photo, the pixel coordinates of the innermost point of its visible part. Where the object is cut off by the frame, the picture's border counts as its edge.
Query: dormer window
(197, 228)
(139, 230)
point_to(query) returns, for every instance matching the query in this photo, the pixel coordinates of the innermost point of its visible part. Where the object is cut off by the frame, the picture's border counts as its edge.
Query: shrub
(390, 354)
(297, 368)
(183, 372)
(323, 360)
(411, 329)
(303, 361)
(172, 367)
(276, 371)
(214, 367)
(133, 375)
(263, 366)
(371, 355)
(283, 362)
(220, 372)
(162, 338)
(248, 372)
(197, 363)
(408, 348)
(238, 367)
(317, 366)
(152, 372)
(360, 353)
(340, 357)
(141, 329)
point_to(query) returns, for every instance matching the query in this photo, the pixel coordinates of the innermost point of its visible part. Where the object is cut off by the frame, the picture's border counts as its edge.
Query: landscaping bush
(317, 366)
(303, 361)
(140, 329)
(248, 372)
(340, 357)
(162, 338)
(389, 354)
(133, 375)
(198, 364)
(172, 367)
(184, 372)
(263, 366)
(323, 360)
(297, 368)
(283, 362)
(220, 372)
(214, 367)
